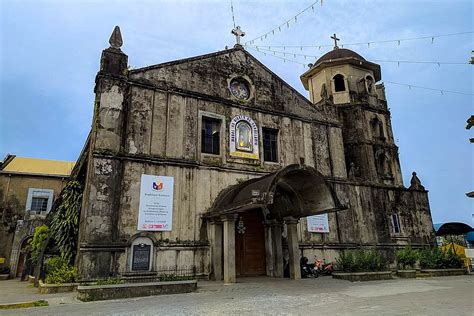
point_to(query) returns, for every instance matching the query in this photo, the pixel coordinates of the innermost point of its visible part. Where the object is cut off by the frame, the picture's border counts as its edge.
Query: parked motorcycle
(322, 267)
(307, 270)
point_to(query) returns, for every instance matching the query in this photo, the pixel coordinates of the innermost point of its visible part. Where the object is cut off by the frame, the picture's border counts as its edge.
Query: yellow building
(28, 187)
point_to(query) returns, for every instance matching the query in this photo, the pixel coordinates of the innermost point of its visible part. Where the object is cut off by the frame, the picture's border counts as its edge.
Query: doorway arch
(283, 197)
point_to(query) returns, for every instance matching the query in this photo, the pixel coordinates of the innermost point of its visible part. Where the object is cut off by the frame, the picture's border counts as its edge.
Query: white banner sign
(318, 223)
(156, 203)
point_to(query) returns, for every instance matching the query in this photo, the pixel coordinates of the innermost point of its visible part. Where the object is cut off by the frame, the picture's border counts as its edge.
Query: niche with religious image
(244, 136)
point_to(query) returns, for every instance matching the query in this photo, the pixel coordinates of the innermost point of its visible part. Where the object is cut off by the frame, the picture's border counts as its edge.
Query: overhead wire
(294, 55)
(410, 86)
(279, 57)
(399, 41)
(232, 10)
(286, 23)
(442, 91)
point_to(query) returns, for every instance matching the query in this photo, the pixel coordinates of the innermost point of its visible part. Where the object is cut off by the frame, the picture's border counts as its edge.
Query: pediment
(211, 75)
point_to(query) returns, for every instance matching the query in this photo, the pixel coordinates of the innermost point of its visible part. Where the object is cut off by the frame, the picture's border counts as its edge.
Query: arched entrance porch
(24, 264)
(282, 198)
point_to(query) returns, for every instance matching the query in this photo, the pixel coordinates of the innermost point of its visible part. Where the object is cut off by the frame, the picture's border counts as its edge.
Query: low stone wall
(363, 276)
(56, 288)
(444, 272)
(108, 292)
(4, 276)
(407, 273)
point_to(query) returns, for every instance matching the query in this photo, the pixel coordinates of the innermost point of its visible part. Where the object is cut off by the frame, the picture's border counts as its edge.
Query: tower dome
(338, 54)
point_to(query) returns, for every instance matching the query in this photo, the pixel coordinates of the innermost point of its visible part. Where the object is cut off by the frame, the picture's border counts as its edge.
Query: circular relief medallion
(240, 88)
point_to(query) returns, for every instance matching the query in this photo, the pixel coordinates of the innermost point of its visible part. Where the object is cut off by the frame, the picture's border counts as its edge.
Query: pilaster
(293, 247)
(229, 248)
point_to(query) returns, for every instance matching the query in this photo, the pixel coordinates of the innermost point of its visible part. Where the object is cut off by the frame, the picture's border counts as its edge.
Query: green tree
(65, 220)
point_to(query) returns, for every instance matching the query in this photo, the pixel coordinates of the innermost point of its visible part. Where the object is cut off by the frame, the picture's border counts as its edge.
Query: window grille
(39, 205)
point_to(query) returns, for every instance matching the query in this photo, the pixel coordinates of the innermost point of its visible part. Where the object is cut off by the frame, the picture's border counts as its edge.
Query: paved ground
(15, 291)
(431, 296)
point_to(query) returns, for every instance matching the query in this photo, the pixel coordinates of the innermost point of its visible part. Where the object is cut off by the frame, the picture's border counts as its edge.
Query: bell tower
(344, 79)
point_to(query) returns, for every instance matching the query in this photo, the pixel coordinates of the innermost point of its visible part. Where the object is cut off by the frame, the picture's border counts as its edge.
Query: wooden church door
(250, 244)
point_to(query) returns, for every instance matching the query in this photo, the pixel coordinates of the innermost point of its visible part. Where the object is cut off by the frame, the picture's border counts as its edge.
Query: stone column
(276, 229)
(293, 247)
(215, 239)
(229, 248)
(269, 254)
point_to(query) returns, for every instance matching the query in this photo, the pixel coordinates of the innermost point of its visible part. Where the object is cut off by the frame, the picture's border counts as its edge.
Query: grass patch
(38, 303)
(41, 303)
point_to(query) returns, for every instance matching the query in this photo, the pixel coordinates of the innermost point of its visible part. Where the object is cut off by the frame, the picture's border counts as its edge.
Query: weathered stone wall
(367, 222)
(150, 123)
(14, 189)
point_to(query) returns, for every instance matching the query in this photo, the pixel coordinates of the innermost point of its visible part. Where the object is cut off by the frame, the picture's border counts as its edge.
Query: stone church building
(214, 161)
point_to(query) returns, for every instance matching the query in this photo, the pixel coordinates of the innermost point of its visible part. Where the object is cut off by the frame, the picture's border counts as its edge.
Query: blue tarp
(470, 237)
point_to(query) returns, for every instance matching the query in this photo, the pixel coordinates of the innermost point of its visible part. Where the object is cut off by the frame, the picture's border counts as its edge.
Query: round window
(239, 88)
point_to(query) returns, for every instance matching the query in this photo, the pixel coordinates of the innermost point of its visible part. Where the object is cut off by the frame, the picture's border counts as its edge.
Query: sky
(50, 52)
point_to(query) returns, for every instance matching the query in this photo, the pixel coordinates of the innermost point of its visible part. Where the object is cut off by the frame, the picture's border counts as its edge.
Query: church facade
(216, 162)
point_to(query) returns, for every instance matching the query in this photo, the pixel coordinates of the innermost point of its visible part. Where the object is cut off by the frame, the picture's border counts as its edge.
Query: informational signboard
(156, 203)
(243, 137)
(318, 223)
(141, 257)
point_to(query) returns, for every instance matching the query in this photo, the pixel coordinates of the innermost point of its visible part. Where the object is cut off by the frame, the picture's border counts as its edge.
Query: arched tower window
(339, 84)
(369, 84)
(377, 129)
(382, 161)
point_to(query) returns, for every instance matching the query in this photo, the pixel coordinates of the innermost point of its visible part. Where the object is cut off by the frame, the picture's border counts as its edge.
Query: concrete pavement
(16, 291)
(430, 296)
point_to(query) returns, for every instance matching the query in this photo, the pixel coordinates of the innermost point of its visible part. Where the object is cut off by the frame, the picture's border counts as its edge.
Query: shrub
(109, 281)
(437, 259)
(360, 261)
(58, 271)
(174, 277)
(407, 257)
(38, 242)
(452, 260)
(345, 262)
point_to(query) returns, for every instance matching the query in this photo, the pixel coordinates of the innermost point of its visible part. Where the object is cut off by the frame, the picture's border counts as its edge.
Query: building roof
(340, 56)
(23, 165)
(339, 53)
(312, 194)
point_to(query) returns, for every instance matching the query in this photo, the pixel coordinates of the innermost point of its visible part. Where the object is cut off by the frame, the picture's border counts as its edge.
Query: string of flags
(286, 24)
(442, 91)
(232, 10)
(398, 41)
(410, 86)
(263, 49)
(279, 57)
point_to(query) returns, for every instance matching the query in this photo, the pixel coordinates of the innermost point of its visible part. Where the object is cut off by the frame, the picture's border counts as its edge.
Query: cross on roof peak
(238, 34)
(334, 37)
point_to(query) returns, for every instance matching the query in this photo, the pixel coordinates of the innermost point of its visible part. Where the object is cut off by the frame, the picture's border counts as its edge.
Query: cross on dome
(334, 37)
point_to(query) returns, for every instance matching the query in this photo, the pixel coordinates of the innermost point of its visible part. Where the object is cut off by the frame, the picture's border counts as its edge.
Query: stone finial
(115, 40)
(415, 183)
